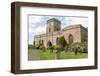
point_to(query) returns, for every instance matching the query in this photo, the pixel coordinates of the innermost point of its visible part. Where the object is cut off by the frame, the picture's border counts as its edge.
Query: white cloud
(34, 19)
(78, 20)
(39, 30)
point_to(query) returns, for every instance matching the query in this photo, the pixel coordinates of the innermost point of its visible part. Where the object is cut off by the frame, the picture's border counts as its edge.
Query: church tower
(53, 25)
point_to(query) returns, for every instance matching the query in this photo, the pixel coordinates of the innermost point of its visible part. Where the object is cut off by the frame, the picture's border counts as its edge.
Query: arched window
(49, 30)
(34, 43)
(70, 38)
(42, 42)
(57, 41)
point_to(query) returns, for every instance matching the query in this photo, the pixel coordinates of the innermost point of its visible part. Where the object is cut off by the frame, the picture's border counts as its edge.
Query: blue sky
(37, 24)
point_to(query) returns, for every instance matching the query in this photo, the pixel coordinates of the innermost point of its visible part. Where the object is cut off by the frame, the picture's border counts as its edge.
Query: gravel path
(33, 55)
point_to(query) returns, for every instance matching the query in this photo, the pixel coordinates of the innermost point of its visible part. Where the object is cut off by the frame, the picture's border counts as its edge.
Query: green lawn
(47, 55)
(64, 55)
(71, 55)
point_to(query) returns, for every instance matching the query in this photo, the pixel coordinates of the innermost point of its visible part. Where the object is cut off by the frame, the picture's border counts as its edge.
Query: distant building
(72, 33)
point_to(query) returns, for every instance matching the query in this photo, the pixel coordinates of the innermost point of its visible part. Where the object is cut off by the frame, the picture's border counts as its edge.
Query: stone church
(72, 33)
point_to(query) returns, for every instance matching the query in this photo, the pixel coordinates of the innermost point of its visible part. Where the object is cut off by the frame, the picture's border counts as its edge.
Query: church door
(49, 44)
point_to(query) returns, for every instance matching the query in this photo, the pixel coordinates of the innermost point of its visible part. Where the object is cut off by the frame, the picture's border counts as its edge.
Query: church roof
(74, 26)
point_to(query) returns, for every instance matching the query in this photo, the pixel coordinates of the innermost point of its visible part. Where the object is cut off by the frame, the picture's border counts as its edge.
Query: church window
(57, 42)
(49, 30)
(70, 38)
(34, 43)
(42, 42)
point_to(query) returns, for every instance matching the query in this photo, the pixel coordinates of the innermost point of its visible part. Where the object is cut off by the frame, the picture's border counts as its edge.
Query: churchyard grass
(47, 55)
